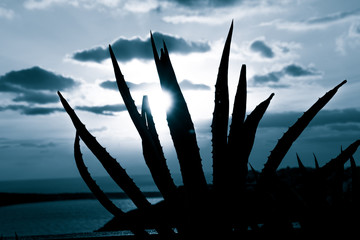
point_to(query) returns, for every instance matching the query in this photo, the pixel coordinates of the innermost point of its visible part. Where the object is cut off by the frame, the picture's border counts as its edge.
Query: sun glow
(160, 102)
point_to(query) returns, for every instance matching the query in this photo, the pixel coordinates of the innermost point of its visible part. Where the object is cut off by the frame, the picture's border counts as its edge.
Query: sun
(160, 102)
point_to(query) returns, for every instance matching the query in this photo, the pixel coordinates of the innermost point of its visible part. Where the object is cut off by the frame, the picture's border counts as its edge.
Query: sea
(68, 217)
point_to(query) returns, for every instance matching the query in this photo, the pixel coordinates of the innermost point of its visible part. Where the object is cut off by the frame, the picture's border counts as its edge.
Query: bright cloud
(6, 13)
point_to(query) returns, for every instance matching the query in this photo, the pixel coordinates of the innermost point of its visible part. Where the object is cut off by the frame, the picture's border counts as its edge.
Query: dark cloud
(40, 110)
(292, 70)
(136, 48)
(28, 110)
(34, 85)
(270, 77)
(261, 47)
(104, 110)
(34, 78)
(188, 85)
(109, 85)
(36, 97)
(298, 71)
(133, 86)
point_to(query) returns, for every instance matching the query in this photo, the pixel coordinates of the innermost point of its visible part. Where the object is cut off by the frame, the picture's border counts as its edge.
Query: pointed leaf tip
(340, 84)
(156, 55)
(62, 99)
(231, 30)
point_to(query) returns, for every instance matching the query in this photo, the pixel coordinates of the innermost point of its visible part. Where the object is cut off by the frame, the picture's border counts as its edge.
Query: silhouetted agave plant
(231, 205)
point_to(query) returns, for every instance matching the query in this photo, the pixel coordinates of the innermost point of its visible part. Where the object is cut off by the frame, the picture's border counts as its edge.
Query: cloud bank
(108, 110)
(34, 86)
(137, 48)
(34, 78)
(29, 110)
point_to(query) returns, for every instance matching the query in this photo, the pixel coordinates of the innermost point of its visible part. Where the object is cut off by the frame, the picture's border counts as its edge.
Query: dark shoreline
(7, 199)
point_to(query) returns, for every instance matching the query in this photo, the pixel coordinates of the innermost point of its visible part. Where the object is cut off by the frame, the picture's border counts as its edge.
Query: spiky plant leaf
(240, 146)
(352, 163)
(117, 173)
(286, 141)
(341, 159)
(162, 176)
(126, 96)
(250, 126)
(316, 162)
(219, 126)
(239, 109)
(301, 165)
(182, 132)
(149, 122)
(235, 163)
(355, 175)
(153, 154)
(90, 182)
(99, 194)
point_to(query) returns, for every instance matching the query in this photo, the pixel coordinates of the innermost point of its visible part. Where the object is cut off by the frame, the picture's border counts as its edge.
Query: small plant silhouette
(232, 206)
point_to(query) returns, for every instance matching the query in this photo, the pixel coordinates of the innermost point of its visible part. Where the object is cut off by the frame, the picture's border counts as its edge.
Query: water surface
(58, 217)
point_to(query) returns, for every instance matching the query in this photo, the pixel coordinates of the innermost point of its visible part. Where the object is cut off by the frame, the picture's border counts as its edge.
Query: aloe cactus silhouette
(231, 205)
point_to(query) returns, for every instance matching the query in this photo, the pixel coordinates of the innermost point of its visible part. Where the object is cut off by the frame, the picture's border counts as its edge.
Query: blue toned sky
(296, 49)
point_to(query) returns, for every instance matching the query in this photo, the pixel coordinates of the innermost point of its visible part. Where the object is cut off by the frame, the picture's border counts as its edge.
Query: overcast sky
(296, 49)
